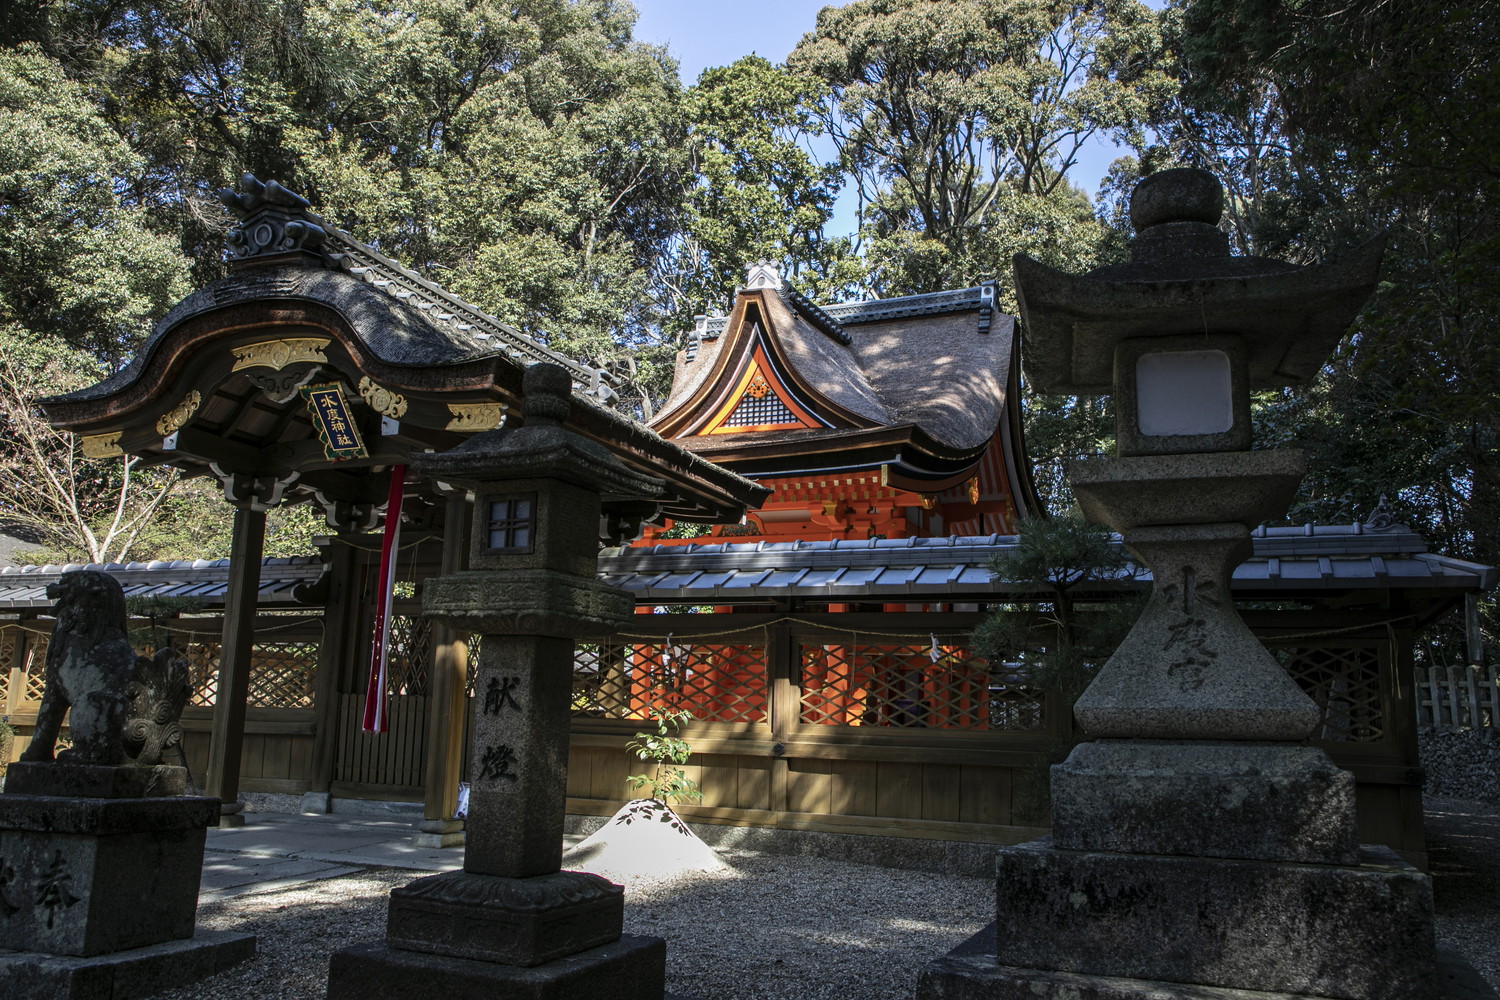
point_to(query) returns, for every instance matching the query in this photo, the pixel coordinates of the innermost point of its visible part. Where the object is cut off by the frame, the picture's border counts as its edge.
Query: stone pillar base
(439, 833)
(122, 975)
(315, 803)
(970, 972)
(1356, 933)
(632, 968)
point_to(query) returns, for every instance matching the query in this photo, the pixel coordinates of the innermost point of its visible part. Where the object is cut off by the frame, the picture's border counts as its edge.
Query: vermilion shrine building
(860, 462)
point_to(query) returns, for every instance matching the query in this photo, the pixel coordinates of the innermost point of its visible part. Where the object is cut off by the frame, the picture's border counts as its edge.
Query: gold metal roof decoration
(278, 354)
(180, 414)
(101, 445)
(382, 400)
(471, 418)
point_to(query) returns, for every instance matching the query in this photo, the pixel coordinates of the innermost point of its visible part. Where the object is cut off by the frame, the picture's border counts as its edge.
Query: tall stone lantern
(511, 923)
(1198, 845)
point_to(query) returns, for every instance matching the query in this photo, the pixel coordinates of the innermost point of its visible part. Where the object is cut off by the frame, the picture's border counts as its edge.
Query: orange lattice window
(716, 683)
(907, 687)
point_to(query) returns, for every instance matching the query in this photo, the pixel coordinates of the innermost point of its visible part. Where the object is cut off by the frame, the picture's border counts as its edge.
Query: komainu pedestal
(99, 875)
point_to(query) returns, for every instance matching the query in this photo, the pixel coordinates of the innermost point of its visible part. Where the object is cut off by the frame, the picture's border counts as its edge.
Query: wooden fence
(1458, 697)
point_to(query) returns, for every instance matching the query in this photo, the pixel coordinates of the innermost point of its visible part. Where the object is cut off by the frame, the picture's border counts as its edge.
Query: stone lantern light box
(1181, 394)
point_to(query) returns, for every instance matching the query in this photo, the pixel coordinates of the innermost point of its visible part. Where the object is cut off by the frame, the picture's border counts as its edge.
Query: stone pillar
(511, 923)
(1199, 849)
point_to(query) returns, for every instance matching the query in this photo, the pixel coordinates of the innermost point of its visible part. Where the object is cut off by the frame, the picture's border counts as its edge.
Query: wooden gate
(392, 764)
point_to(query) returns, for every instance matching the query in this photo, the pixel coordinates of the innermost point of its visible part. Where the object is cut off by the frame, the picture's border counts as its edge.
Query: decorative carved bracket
(253, 492)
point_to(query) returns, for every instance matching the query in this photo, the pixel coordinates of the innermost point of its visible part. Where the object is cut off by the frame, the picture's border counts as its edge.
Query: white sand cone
(646, 837)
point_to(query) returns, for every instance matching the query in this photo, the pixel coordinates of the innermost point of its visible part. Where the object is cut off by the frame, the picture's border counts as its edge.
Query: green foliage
(667, 781)
(759, 195)
(959, 120)
(1061, 639)
(1329, 122)
(80, 260)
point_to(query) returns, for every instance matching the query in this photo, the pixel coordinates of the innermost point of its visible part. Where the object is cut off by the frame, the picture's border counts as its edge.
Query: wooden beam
(232, 456)
(227, 744)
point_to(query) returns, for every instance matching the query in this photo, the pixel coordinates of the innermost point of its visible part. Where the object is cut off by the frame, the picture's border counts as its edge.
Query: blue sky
(703, 33)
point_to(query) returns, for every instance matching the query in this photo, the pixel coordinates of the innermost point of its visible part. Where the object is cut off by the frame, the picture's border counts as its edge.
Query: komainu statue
(158, 693)
(126, 708)
(89, 668)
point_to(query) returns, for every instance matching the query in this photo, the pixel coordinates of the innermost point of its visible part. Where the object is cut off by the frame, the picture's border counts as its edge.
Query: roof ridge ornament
(1383, 518)
(764, 274)
(274, 221)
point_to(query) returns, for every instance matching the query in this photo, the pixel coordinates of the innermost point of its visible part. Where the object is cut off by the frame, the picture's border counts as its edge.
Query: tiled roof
(441, 307)
(841, 314)
(1295, 559)
(205, 579)
(1285, 559)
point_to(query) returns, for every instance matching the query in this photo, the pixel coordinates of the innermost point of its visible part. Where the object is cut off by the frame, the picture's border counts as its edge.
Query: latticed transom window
(282, 674)
(34, 667)
(919, 686)
(759, 406)
(512, 523)
(203, 672)
(1345, 682)
(9, 639)
(625, 680)
(408, 655)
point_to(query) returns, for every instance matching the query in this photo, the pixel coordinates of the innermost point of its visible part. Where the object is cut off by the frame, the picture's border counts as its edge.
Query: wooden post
(228, 737)
(15, 689)
(449, 702)
(781, 661)
(333, 653)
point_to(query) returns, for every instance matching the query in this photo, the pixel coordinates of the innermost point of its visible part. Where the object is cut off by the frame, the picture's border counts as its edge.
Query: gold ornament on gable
(180, 414)
(382, 400)
(277, 354)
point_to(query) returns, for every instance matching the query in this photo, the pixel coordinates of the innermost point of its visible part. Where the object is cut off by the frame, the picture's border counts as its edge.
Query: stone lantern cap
(541, 449)
(1182, 281)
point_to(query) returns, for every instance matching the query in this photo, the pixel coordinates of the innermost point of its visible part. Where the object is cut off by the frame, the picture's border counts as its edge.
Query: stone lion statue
(90, 665)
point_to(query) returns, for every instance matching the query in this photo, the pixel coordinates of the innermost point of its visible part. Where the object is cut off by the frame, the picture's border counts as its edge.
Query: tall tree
(528, 155)
(79, 263)
(959, 121)
(759, 194)
(1383, 117)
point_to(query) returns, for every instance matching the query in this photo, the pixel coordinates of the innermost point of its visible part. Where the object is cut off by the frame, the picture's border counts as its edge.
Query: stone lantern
(1198, 846)
(511, 923)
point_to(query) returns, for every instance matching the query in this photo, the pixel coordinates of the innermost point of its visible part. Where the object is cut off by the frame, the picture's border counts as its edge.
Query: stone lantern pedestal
(513, 924)
(1199, 849)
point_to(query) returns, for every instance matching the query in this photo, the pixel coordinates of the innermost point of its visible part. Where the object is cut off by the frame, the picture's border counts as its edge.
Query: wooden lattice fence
(1458, 697)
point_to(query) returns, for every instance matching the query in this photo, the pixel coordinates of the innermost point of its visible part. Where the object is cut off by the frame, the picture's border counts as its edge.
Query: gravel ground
(1464, 764)
(802, 929)
(1463, 852)
(776, 927)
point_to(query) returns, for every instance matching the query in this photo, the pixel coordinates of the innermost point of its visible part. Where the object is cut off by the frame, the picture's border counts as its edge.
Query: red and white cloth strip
(375, 717)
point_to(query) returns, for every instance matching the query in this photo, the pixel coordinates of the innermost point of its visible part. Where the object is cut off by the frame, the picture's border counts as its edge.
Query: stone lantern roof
(1182, 280)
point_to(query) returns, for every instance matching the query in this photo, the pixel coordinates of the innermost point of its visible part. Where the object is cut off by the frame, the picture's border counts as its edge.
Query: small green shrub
(669, 781)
